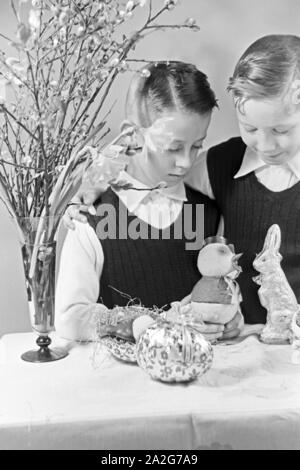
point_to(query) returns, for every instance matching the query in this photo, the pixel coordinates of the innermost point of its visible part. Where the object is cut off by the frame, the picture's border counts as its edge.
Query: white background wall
(227, 28)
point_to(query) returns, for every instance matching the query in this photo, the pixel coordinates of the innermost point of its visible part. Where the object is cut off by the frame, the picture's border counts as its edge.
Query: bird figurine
(216, 296)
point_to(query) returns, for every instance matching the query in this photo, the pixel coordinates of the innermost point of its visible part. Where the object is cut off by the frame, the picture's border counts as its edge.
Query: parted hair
(267, 68)
(168, 85)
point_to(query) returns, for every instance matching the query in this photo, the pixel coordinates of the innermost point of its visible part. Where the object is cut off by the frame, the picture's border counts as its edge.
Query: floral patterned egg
(173, 352)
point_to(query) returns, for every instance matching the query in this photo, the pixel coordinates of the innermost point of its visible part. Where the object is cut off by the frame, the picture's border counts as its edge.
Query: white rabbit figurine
(275, 293)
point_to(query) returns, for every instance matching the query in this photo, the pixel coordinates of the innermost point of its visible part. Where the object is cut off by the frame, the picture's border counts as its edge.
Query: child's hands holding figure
(130, 329)
(210, 330)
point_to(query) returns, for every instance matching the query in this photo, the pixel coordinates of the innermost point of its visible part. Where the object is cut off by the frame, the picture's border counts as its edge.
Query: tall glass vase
(38, 254)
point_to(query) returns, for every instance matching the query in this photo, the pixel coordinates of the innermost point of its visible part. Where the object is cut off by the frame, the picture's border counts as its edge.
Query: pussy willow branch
(65, 55)
(60, 57)
(97, 128)
(68, 79)
(173, 26)
(6, 139)
(40, 37)
(41, 141)
(3, 181)
(8, 201)
(103, 99)
(13, 153)
(51, 146)
(109, 83)
(17, 165)
(19, 122)
(150, 10)
(5, 37)
(87, 106)
(66, 105)
(51, 35)
(35, 91)
(8, 189)
(153, 18)
(11, 70)
(5, 178)
(15, 11)
(76, 120)
(91, 100)
(78, 9)
(132, 41)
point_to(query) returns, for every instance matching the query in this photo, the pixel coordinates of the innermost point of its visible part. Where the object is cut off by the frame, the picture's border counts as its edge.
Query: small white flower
(170, 4)
(34, 19)
(64, 95)
(62, 33)
(142, 2)
(100, 7)
(12, 62)
(190, 22)
(101, 22)
(27, 160)
(59, 168)
(104, 74)
(80, 30)
(129, 5)
(114, 62)
(145, 73)
(63, 18)
(55, 10)
(123, 65)
(16, 81)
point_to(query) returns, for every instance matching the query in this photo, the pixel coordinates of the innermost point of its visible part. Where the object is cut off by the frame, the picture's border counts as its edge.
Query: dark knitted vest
(249, 209)
(154, 272)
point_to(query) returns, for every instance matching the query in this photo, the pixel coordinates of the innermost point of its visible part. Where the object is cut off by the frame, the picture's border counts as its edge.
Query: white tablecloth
(250, 399)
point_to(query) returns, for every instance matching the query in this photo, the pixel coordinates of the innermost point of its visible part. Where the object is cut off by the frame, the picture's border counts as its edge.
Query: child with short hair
(255, 178)
(170, 104)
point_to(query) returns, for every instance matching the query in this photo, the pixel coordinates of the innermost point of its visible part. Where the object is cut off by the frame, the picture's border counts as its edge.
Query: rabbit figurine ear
(274, 238)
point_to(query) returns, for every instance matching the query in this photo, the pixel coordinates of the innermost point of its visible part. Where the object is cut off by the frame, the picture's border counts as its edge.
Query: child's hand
(100, 175)
(234, 327)
(210, 331)
(82, 202)
(122, 330)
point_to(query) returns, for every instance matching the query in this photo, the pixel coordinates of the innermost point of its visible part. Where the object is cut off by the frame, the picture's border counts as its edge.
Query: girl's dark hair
(267, 68)
(168, 85)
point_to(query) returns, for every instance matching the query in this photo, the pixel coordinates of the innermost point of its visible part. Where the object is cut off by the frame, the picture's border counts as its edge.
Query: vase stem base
(40, 356)
(44, 354)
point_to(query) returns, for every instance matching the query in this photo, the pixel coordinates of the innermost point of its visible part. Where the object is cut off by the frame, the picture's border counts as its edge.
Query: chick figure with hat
(216, 296)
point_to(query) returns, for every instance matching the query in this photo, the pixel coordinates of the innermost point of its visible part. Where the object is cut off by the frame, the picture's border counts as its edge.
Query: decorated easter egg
(173, 352)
